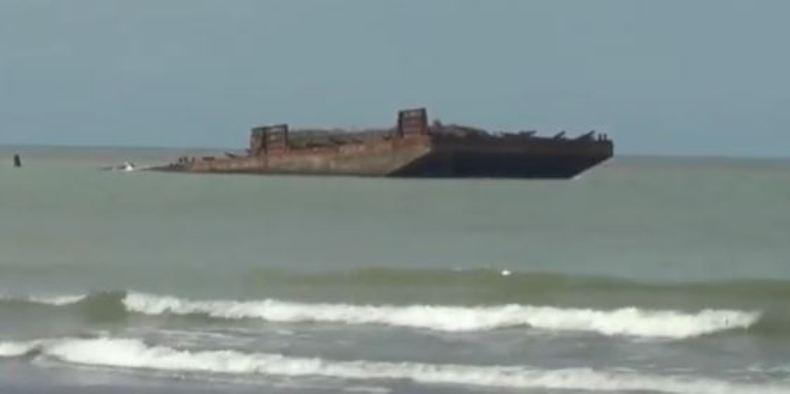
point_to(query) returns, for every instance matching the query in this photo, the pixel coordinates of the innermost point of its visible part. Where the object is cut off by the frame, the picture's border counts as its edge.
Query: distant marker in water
(17, 161)
(505, 273)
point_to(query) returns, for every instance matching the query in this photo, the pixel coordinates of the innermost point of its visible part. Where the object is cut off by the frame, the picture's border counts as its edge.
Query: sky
(669, 77)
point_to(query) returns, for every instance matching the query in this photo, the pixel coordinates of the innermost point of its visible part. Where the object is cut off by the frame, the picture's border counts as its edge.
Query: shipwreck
(412, 148)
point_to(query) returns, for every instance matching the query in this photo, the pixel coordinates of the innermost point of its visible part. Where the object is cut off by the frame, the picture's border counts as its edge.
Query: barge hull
(412, 149)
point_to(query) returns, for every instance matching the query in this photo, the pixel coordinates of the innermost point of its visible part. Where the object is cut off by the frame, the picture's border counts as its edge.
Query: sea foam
(624, 321)
(133, 353)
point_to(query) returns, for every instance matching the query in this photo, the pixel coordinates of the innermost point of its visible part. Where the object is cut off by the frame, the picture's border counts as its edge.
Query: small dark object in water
(17, 161)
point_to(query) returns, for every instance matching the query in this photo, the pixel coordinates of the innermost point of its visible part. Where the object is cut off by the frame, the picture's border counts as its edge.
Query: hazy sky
(660, 76)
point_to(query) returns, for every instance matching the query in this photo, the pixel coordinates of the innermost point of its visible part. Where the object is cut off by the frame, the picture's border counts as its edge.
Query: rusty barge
(413, 148)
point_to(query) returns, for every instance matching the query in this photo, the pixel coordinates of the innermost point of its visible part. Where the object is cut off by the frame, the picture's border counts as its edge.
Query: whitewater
(55, 300)
(625, 321)
(134, 353)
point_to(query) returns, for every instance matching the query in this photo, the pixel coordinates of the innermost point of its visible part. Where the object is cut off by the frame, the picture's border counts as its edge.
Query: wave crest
(624, 321)
(133, 353)
(54, 300)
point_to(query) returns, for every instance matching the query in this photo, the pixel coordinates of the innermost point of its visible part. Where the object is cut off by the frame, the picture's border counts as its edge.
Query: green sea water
(643, 274)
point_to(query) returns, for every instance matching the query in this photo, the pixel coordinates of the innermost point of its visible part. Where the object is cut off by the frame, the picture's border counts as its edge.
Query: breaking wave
(624, 321)
(16, 349)
(55, 300)
(58, 300)
(628, 321)
(135, 354)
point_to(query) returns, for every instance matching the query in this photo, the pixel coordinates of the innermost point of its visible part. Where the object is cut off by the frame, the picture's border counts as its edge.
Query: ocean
(643, 275)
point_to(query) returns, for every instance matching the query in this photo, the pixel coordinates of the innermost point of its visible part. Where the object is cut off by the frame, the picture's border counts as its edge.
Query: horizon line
(220, 148)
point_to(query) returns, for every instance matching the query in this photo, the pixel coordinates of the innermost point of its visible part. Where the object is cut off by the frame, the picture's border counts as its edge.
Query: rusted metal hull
(422, 156)
(411, 149)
